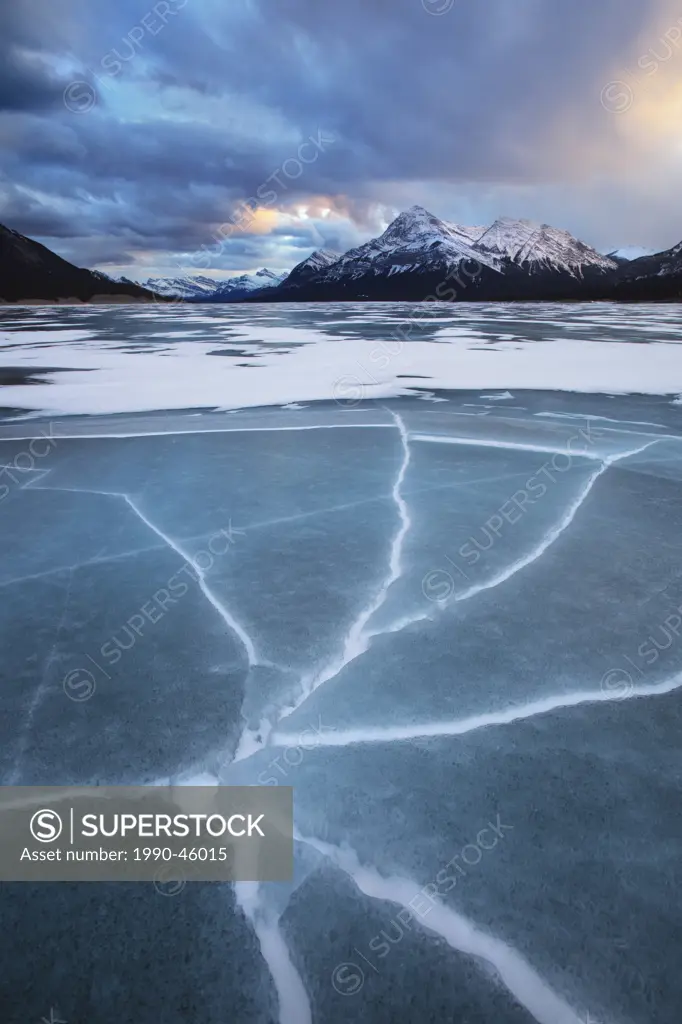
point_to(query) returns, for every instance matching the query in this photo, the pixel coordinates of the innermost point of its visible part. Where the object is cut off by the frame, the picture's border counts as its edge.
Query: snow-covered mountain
(629, 252)
(235, 288)
(419, 256)
(662, 264)
(652, 277)
(315, 263)
(467, 234)
(208, 289)
(416, 231)
(540, 247)
(415, 243)
(182, 287)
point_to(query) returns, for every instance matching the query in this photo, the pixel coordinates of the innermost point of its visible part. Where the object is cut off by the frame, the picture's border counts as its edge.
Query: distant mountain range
(208, 289)
(418, 257)
(179, 287)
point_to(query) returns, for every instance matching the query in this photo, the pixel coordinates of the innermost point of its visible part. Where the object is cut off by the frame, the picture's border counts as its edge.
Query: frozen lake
(430, 579)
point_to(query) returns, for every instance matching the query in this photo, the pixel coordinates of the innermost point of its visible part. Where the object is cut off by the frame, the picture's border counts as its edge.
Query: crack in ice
(294, 1004)
(40, 692)
(512, 445)
(358, 638)
(206, 430)
(462, 726)
(518, 977)
(530, 557)
(99, 560)
(224, 613)
(262, 524)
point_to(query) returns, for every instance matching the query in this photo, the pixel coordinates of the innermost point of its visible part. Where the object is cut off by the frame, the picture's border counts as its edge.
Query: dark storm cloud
(196, 105)
(26, 84)
(469, 94)
(27, 81)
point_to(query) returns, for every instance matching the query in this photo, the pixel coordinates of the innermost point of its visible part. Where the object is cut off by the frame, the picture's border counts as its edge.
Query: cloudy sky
(219, 136)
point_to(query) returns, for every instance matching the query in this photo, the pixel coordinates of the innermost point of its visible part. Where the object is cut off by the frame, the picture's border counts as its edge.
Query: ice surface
(454, 628)
(127, 359)
(124, 951)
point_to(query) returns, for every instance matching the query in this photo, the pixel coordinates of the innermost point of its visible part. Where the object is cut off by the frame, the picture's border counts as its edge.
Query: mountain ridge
(30, 272)
(541, 246)
(418, 257)
(207, 289)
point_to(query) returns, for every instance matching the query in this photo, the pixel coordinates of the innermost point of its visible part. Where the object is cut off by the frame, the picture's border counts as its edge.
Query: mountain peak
(317, 261)
(414, 216)
(506, 236)
(417, 211)
(415, 226)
